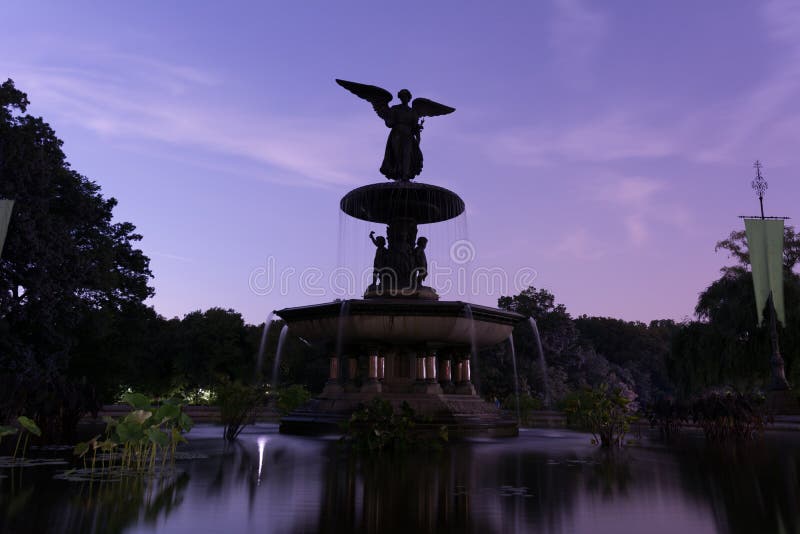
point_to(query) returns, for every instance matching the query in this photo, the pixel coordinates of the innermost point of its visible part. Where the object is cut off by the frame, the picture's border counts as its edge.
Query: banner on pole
(5, 216)
(765, 242)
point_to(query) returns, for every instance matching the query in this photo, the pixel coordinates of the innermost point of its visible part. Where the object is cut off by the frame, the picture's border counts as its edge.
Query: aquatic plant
(28, 428)
(143, 435)
(726, 414)
(668, 415)
(525, 405)
(376, 427)
(237, 401)
(290, 398)
(604, 411)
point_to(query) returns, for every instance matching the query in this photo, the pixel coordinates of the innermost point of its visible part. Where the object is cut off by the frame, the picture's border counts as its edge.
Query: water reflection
(544, 481)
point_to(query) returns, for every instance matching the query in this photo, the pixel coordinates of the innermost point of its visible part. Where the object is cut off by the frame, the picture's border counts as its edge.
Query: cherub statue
(420, 261)
(381, 256)
(402, 160)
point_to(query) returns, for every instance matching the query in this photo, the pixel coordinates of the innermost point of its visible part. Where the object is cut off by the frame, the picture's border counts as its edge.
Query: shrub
(290, 398)
(728, 414)
(604, 411)
(236, 402)
(376, 427)
(527, 405)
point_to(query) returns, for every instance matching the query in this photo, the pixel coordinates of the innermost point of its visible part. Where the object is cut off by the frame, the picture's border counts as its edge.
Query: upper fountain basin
(401, 322)
(386, 202)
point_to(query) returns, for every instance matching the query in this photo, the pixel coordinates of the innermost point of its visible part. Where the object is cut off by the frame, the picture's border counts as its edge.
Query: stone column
(430, 367)
(446, 374)
(333, 386)
(426, 374)
(372, 385)
(420, 375)
(464, 386)
(352, 373)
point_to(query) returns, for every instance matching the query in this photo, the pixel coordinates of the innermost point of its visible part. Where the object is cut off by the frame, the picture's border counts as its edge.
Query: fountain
(400, 341)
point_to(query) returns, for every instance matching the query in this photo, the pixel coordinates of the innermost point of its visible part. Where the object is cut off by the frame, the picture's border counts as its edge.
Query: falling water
(276, 366)
(516, 380)
(343, 311)
(262, 347)
(473, 349)
(542, 362)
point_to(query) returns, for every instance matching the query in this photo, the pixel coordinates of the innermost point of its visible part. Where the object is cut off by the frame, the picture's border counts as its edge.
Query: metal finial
(759, 184)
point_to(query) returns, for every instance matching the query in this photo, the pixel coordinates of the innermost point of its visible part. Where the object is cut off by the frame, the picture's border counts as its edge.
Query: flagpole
(779, 381)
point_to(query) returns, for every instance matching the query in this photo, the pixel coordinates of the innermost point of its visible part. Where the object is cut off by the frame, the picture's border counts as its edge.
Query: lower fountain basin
(401, 322)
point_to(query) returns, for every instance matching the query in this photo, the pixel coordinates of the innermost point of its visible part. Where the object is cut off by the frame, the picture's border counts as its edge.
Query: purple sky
(607, 146)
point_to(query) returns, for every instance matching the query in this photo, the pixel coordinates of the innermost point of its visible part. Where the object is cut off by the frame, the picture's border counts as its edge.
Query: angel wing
(378, 97)
(429, 108)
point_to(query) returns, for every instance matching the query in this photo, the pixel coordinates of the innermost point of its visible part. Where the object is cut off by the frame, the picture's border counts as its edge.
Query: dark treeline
(75, 331)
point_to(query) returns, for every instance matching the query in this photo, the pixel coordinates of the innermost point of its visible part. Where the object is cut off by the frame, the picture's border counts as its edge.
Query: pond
(546, 480)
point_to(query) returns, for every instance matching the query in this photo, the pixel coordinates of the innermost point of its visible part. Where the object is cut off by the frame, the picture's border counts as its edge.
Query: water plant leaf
(138, 416)
(129, 431)
(7, 431)
(158, 437)
(81, 449)
(29, 425)
(136, 400)
(167, 412)
(185, 422)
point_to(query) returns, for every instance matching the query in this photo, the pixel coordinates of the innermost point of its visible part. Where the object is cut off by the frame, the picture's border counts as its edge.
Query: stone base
(465, 388)
(332, 389)
(372, 386)
(463, 415)
(421, 292)
(427, 388)
(784, 402)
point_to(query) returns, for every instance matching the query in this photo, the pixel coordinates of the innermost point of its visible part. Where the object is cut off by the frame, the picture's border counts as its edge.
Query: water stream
(276, 366)
(516, 380)
(542, 362)
(263, 345)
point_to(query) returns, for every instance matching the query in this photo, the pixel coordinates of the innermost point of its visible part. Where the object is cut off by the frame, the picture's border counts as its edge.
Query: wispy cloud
(578, 244)
(640, 203)
(317, 151)
(605, 138)
(576, 33)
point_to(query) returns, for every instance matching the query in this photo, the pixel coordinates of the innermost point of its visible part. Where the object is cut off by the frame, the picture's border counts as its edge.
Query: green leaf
(29, 425)
(81, 449)
(158, 437)
(129, 431)
(7, 431)
(185, 422)
(136, 400)
(138, 416)
(167, 412)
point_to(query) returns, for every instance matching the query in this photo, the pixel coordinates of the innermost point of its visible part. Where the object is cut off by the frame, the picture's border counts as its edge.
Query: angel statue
(403, 158)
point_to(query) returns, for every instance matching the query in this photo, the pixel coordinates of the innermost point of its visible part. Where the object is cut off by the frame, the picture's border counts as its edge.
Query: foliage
(27, 429)
(142, 435)
(726, 346)
(376, 427)
(290, 398)
(668, 414)
(65, 262)
(524, 403)
(604, 411)
(237, 401)
(728, 414)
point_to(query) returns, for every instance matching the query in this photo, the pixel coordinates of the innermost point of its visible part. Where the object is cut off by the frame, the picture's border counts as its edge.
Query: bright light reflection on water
(262, 442)
(549, 481)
